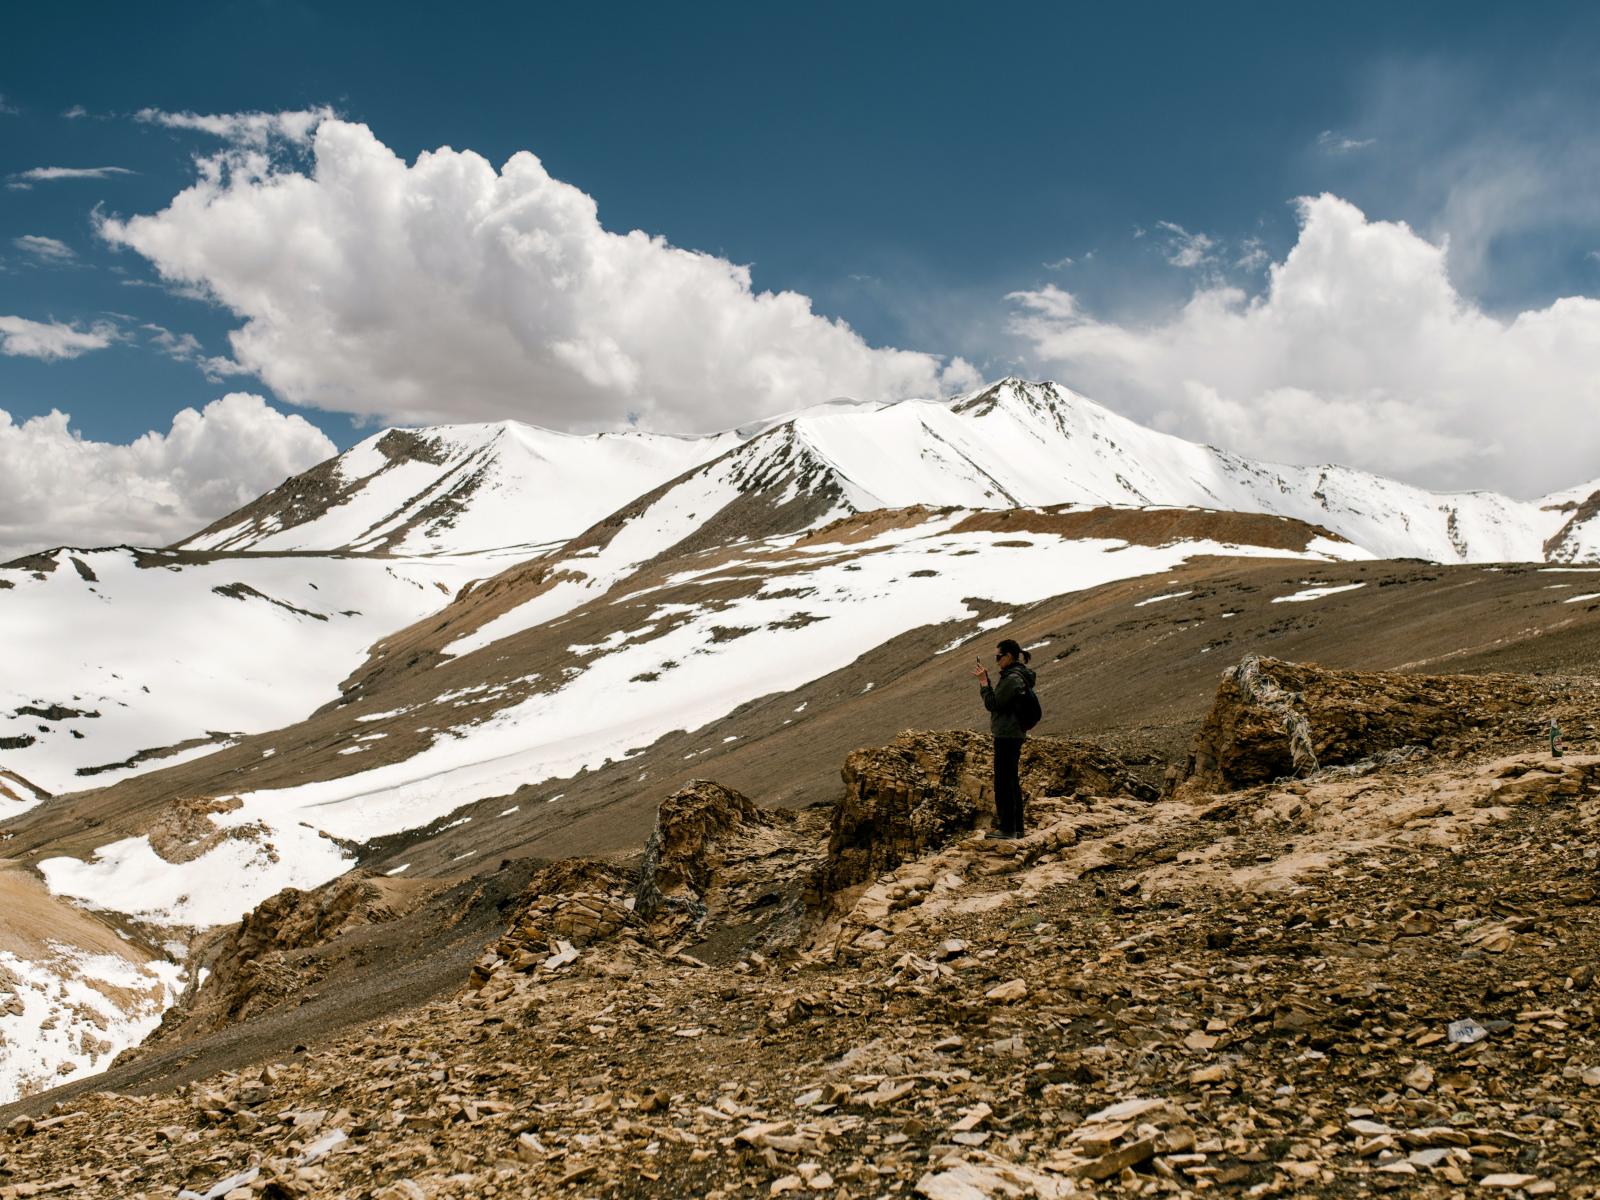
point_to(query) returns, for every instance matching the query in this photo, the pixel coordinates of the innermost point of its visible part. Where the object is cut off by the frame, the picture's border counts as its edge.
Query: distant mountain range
(467, 488)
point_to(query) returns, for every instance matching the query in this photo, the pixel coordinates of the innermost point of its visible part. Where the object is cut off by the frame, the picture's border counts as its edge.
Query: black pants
(1007, 790)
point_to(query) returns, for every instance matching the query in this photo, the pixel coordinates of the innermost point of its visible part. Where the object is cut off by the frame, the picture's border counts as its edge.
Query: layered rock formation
(266, 959)
(1275, 719)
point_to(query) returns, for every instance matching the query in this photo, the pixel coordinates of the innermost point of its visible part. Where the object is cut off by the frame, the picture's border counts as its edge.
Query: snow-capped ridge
(458, 489)
(523, 489)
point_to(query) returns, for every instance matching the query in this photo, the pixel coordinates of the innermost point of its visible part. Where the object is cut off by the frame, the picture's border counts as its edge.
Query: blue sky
(911, 168)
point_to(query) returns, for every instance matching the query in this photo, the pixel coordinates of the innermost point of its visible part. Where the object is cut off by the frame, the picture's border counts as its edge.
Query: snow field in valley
(830, 604)
(664, 523)
(163, 657)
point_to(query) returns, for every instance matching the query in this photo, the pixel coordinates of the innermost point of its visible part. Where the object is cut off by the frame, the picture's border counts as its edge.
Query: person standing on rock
(1009, 727)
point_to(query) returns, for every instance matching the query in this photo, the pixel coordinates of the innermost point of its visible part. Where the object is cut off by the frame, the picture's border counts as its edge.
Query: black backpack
(1026, 708)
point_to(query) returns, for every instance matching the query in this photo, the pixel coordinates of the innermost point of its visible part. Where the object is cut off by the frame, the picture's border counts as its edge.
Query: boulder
(716, 863)
(574, 902)
(682, 855)
(1274, 719)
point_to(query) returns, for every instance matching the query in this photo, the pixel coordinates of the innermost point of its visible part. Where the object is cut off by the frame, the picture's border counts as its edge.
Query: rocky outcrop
(568, 907)
(184, 830)
(1274, 719)
(683, 853)
(720, 872)
(267, 958)
(1567, 543)
(909, 798)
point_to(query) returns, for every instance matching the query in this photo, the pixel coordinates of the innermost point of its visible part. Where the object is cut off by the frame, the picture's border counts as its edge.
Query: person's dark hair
(1012, 648)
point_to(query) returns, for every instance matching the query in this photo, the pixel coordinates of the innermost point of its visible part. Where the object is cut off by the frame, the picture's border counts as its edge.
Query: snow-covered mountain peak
(459, 489)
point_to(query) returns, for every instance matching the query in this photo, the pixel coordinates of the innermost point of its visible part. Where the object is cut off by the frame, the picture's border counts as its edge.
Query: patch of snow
(65, 1027)
(1163, 596)
(215, 888)
(1317, 593)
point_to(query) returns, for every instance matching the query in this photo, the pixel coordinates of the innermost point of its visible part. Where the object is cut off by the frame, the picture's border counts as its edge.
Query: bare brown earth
(1378, 977)
(31, 918)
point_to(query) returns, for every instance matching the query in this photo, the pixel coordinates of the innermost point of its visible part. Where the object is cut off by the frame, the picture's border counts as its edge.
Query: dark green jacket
(1001, 699)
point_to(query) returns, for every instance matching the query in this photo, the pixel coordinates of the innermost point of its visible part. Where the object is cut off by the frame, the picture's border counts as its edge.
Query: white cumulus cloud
(447, 290)
(59, 488)
(1360, 350)
(23, 338)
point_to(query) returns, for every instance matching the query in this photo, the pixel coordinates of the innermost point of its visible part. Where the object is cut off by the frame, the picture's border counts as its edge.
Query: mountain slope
(619, 673)
(1017, 444)
(681, 644)
(117, 660)
(457, 489)
(1125, 662)
(1010, 445)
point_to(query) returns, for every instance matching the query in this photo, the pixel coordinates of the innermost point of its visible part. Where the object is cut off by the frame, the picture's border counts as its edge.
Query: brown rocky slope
(1376, 976)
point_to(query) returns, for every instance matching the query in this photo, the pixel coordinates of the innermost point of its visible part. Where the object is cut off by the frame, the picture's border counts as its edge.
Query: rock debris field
(1371, 975)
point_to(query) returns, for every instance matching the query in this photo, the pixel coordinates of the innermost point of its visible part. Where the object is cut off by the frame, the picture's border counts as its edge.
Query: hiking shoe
(996, 835)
